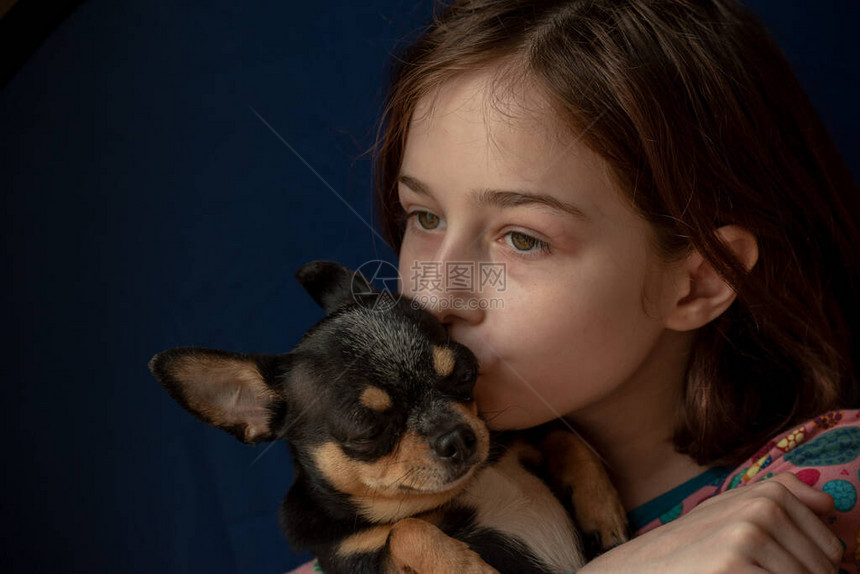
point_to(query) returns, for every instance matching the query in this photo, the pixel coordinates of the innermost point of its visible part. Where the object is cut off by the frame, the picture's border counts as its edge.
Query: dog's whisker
(489, 416)
(265, 450)
(402, 480)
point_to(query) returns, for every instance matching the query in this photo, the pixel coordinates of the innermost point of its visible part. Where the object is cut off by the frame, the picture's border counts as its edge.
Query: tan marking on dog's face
(472, 407)
(340, 470)
(411, 465)
(443, 361)
(369, 540)
(409, 480)
(375, 399)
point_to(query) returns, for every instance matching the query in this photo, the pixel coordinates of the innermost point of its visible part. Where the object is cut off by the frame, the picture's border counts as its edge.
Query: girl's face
(567, 297)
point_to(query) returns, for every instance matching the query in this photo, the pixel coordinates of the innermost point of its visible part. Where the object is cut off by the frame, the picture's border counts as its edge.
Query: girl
(676, 232)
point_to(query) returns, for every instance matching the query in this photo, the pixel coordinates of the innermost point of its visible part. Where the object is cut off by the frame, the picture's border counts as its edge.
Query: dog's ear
(332, 285)
(231, 391)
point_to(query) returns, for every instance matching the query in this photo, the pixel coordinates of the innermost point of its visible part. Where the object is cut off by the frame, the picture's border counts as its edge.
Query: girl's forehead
(482, 133)
(479, 132)
(498, 95)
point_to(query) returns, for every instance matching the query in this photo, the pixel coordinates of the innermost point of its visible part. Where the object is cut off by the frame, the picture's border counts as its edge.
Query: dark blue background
(146, 205)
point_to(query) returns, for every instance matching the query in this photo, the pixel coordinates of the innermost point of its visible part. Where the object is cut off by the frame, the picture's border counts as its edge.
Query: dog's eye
(460, 385)
(369, 443)
(364, 433)
(463, 397)
(366, 436)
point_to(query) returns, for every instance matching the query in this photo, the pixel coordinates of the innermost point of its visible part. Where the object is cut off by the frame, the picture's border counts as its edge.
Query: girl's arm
(767, 527)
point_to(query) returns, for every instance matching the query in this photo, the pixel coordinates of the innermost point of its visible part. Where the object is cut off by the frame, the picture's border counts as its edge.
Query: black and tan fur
(394, 470)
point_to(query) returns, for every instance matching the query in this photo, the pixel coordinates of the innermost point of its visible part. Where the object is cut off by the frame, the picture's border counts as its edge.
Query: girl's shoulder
(823, 452)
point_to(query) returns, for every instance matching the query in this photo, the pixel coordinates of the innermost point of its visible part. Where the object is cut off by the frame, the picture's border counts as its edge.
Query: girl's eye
(426, 219)
(525, 243)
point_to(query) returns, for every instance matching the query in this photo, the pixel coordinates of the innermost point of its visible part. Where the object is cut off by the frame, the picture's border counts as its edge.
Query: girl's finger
(765, 552)
(792, 524)
(787, 508)
(817, 501)
(797, 544)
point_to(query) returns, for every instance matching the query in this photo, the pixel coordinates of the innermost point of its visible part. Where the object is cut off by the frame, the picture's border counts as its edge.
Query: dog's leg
(418, 547)
(576, 469)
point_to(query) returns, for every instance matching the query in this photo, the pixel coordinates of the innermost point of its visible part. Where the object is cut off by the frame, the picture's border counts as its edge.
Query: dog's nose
(457, 444)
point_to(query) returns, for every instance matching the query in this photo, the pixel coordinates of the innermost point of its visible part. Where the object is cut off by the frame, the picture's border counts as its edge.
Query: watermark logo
(383, 274)
(437, 285)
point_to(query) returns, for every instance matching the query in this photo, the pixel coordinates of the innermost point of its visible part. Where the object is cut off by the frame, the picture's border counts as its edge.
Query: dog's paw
(418, 547)
(601, 519)
(604, 537)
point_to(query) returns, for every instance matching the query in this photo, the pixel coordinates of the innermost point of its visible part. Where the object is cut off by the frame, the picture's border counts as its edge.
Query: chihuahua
(395, 472)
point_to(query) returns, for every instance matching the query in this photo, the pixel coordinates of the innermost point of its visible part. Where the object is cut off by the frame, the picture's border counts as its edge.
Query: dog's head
(375, 399)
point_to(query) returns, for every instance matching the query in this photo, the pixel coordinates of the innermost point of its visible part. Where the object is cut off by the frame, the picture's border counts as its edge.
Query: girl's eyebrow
(503, 198)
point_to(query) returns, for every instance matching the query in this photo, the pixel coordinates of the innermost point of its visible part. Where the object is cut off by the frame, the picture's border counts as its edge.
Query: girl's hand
(766, 527)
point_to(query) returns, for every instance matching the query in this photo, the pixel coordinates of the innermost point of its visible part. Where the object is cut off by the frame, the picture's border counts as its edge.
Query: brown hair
(703, 124)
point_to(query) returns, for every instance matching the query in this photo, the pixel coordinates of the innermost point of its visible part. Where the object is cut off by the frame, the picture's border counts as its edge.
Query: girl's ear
(704, 295)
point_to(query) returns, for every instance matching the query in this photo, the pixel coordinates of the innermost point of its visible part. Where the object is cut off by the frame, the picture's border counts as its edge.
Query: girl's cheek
(418, 244)
(410, 254)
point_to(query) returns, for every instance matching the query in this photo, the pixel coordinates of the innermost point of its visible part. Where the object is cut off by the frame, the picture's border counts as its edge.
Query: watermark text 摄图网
(457, 276)
(453, 284)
